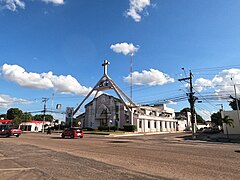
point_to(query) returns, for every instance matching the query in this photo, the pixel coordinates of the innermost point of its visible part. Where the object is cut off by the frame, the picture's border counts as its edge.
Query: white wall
(232, 130)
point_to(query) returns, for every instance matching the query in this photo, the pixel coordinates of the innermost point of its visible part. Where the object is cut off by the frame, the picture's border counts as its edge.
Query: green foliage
(216, 119)
(88, 129)
(185, 110)
(39, 117)
(16, 122)
(103, 128)
(200, 120)
(228, 121)
(129, 128)
(4, 116)
(48, 117)
(233, 104)
(25, 117)
(198, 117)
(106, 128)
(113, 128)
(12, 113)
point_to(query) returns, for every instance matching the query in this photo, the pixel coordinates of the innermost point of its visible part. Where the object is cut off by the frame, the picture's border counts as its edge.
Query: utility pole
(236, 100)
(131, 69)
(191, 100)
(221, 110)
(44, 100)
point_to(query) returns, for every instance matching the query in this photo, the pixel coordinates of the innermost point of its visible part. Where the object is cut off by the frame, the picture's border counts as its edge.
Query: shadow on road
(119, 142)
(219, 137)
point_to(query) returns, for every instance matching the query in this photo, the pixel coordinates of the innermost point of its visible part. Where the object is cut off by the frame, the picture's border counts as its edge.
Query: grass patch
(105, 132)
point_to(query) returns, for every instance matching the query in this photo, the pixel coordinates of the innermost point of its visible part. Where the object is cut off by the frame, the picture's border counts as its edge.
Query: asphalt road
(41, 156)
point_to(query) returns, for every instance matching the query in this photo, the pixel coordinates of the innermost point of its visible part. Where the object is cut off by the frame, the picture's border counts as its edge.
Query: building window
(140, 124)
(155, 124)
(165, 124)
(148, 124)
(154, 113)
(170, 124)
(143, 111)
(160, 123)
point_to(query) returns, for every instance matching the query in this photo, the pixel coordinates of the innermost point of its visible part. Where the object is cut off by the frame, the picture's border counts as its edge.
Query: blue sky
(58, 46)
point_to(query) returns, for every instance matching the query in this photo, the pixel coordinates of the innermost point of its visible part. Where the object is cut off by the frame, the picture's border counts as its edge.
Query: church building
(107, 110)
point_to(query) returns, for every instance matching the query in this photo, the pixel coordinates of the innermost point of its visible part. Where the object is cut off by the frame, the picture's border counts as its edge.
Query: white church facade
(107, 110)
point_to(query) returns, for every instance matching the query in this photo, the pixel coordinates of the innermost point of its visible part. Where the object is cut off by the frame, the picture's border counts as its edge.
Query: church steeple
(106, 83)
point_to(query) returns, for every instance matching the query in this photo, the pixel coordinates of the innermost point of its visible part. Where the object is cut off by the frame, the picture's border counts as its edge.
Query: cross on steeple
(105, 64)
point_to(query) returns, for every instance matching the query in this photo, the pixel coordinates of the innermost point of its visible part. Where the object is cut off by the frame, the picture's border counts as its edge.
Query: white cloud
(221, 82)
(6, 101)
(202, 84)
(62, 84)
(125, 48)
(12, 5)
(170, 102)
(136, 7)
(152, 78)
(54, 1)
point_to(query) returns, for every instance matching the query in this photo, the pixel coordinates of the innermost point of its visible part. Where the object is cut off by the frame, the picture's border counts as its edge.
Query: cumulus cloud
(203, 84)
(12, 5)
(6, 101)
(222, 82)
(136, 8)
(62, 84)
(152, 77)
(125, 48)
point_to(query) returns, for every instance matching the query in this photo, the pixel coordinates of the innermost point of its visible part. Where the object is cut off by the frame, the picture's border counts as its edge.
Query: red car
(7, 131)
(73, 132)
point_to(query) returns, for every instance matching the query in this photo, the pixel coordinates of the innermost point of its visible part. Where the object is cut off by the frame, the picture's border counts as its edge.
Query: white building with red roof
(33, 125)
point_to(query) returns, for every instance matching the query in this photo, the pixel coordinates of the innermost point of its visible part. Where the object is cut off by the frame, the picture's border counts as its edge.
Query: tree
(185, 110)
(16, 122)
(39, 117)
(229, 122)
(25, 117)
(4, 116)
(12, 113)
(216, 118)
(48, 117)
(233, 104)
(198, 117)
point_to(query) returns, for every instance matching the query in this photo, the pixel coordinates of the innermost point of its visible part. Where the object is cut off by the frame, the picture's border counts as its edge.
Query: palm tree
(228, 121)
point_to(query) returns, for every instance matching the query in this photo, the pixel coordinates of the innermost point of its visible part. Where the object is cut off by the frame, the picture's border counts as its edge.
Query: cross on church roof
(105, 64)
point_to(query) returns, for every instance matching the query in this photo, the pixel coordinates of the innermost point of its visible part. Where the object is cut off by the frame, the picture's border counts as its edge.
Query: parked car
(8, 131)
(211, 130)
(73, 132)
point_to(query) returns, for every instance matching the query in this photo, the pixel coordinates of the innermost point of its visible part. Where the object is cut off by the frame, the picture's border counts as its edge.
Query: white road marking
(16, 169)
